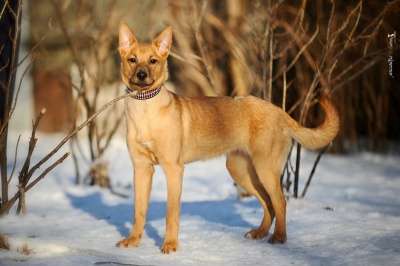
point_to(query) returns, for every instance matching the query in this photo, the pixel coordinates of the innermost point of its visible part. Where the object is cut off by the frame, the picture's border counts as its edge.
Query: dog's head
(143, 65)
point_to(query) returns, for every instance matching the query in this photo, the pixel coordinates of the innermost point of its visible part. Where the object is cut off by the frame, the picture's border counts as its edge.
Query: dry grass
(287, 53)
(4, 242)
(24, 249)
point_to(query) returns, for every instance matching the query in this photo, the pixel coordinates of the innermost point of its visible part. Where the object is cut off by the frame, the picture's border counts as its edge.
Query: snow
(350, 216)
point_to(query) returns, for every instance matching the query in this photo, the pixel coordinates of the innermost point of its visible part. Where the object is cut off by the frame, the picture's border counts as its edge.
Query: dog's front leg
(142, 182)
(173, 172)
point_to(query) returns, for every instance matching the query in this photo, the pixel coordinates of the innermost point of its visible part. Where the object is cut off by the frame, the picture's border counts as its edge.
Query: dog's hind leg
(268, 170)
(242, 171)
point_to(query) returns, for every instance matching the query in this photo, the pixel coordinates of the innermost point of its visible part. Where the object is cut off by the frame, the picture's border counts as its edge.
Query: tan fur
(172, 130)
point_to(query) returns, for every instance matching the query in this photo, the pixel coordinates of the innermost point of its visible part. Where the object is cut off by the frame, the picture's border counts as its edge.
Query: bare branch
(313, 170)
(15, 160)
(76, 130)
(3, 9)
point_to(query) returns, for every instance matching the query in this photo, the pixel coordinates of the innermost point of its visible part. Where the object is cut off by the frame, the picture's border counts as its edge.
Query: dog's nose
(141, 75)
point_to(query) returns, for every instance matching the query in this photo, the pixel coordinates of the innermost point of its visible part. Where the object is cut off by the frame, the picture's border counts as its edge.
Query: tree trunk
(10, 22)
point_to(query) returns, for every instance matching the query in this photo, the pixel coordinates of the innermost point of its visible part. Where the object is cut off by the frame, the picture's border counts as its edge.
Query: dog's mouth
(142, 85)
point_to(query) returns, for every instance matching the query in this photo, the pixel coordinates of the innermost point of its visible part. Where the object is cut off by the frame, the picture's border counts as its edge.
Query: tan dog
(170, 130)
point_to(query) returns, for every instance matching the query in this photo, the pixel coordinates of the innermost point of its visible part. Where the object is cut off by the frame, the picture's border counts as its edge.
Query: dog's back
(216, 125)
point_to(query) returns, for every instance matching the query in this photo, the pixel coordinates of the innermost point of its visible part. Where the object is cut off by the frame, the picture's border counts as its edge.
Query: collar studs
(145, 95)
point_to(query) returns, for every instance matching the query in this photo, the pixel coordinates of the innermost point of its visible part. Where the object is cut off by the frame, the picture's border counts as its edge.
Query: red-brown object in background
(52, 90)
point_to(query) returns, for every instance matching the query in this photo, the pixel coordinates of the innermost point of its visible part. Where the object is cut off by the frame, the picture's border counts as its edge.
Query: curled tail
(316, 138)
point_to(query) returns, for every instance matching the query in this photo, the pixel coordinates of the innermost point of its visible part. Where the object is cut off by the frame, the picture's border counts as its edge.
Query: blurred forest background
(272, 49)
(285, 52)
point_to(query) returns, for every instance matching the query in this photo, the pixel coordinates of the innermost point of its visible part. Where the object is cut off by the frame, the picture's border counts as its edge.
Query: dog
(170, 130)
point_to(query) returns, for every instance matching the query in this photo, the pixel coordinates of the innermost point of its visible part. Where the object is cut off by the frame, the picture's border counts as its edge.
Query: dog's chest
(141, 125)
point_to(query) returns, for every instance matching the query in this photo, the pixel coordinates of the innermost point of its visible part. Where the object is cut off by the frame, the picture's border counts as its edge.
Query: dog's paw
(256, 233)
(169, 246)
(128, 242)
(277, 239)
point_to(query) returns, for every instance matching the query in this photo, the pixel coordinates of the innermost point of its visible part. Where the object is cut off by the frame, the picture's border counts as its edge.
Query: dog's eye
(153, 61)
(132, 60)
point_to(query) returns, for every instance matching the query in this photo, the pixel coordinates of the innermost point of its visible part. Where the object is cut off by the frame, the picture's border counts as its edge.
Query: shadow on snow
(221, 212)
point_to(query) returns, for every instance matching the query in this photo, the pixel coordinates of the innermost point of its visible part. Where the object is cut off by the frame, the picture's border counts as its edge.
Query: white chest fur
(143, 117)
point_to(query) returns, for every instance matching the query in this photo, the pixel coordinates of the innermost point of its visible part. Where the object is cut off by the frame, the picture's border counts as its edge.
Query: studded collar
(144, 95)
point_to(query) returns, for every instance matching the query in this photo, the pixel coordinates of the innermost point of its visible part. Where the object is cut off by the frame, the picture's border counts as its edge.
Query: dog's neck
(145, 95)
(140, 109)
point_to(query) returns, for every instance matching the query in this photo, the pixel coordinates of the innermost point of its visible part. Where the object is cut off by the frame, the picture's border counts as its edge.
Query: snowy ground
(351, 216)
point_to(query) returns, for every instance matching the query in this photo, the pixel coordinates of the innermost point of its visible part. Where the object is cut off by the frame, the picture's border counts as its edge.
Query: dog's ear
(126, 37)
(163, 42)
